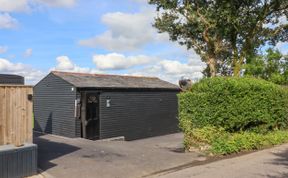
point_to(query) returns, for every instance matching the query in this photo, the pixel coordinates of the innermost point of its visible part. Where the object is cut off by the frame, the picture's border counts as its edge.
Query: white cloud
(140, 65)
(31, 75)
(126, 31)
(28, 52)
(176, 68)
(9, 6)
(115, 61)
(3, 49)
(133, 31)
(26, 5)
(56, 3)
(65, 64)
(172, 71)
(7, 22)
(283, 47)
(141, 1)
(13, 5)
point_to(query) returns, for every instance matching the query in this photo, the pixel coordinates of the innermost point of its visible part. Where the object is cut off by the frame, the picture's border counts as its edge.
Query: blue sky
(97, 36)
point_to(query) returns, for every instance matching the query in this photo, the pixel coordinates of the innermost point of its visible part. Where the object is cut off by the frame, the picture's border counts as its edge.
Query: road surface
(270, 163)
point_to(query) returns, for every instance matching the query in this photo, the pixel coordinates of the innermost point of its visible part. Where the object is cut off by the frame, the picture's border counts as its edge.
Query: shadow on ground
(49, 150)
(280, 160)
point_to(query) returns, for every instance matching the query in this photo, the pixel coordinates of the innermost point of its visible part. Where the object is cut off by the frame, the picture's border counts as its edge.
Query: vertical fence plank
(2, 125)
(23, 116)
(30, 117)
(9, 122)
(3, 108)
(13, 111)
(18, 117)
(16, 114)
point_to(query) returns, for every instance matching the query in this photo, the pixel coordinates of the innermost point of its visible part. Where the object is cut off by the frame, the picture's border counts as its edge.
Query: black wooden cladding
(11, 79)
(18, 162)
(137, 115)
(54, 104)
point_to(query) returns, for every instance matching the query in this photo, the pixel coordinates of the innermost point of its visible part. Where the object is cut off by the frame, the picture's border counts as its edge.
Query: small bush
(220, 142)
(234, 104)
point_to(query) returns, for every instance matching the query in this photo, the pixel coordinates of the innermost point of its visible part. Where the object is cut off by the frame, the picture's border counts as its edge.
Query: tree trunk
(236, 70)
(212, 66)
(238, 66)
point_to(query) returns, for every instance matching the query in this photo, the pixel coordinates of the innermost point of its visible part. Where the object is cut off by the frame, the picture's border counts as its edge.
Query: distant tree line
(271, 66)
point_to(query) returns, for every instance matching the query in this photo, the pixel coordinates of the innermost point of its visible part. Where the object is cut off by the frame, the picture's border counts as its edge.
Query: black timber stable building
(96, 106)
(11, 79)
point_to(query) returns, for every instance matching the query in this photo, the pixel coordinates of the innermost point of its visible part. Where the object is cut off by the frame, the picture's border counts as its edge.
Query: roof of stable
(85, 80)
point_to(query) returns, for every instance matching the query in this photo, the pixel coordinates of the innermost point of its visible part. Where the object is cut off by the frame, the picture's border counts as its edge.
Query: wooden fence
(16, 118)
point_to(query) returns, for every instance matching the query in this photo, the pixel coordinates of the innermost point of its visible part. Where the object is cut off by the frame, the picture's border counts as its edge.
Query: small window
(92, 99)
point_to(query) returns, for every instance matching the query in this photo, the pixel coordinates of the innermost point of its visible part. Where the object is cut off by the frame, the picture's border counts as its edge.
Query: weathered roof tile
(85, 80)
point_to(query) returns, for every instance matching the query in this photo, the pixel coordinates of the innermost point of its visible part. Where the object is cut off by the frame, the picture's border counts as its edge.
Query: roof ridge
(94, 74)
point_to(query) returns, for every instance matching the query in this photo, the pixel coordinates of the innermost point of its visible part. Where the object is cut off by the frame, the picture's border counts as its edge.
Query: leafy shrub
(221, 142)
(234, 104)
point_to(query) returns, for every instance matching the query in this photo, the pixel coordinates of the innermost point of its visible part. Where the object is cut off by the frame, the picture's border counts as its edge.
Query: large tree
(223, 32)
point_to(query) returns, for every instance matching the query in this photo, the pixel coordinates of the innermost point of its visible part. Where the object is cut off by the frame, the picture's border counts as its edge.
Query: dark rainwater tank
(11, 79)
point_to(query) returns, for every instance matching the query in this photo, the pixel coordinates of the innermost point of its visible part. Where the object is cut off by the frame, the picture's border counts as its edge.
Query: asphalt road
(269, 163)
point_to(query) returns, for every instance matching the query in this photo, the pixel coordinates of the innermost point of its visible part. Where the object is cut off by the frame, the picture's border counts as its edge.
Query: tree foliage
(223, 32)
(272, 66)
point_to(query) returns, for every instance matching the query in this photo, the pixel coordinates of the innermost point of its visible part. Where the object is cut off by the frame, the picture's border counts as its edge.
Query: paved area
(270, 163)
(75, 158)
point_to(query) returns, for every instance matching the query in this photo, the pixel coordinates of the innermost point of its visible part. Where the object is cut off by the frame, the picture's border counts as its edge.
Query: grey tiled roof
(84, 80)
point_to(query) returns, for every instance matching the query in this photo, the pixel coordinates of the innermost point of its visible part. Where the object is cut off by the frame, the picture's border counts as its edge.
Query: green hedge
(234, 104)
